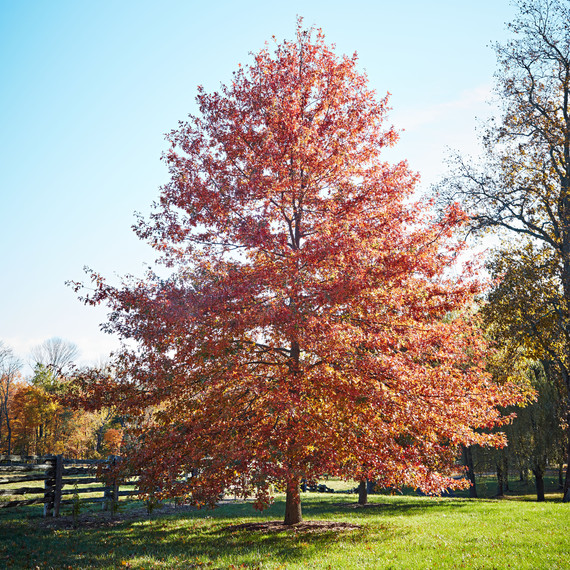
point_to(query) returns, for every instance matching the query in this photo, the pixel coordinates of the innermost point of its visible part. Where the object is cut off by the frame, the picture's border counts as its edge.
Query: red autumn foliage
(313, 323)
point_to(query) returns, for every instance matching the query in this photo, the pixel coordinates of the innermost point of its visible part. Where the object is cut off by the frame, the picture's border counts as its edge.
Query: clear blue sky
(88, 89)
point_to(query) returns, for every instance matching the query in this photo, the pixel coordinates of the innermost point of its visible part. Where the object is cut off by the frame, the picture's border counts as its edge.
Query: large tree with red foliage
(311, 324)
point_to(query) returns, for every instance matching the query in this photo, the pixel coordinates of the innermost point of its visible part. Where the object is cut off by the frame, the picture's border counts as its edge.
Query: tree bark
(505, 455)
(9, 429)
(500, 480)
(566, 490)
(539, 478)
(362, 492)
(99, 444)
(468, 460)
(523, 476)
(293, 514)
(566, 374)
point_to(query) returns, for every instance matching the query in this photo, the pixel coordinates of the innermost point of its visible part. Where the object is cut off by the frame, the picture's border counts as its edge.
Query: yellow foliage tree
(522, 187)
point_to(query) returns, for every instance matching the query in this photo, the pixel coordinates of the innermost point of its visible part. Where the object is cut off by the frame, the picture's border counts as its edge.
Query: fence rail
(56, 473)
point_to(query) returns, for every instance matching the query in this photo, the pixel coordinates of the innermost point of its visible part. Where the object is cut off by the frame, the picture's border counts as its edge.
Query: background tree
(522, 314)
(55, 354)
(523, 311)
(467, 458)
(302, 331)
(524, 186)
(508, 365)
(536, 434)
(9, 375)
(37, 421)
(113, 439)
(98, 420)
(35, 417)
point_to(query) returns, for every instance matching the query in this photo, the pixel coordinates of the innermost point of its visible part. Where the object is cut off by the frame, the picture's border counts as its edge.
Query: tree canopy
(315, 321)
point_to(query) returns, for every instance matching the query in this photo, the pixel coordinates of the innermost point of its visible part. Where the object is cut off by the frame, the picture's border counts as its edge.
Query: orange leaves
(36, 422)
(306, 326)
(113, 439)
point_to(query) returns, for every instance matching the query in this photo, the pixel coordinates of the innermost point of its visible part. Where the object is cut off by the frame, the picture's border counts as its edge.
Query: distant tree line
(34, 419)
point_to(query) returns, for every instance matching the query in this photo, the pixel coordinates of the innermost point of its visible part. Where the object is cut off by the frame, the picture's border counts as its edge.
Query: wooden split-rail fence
(65, 482)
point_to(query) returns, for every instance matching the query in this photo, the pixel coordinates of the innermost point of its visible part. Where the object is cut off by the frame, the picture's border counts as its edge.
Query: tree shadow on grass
(388, 506)
(207, 539)
(188, 544)
(189, 539)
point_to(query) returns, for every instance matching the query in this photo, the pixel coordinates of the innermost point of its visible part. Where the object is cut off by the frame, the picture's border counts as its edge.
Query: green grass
(487, 488)
(397, 532)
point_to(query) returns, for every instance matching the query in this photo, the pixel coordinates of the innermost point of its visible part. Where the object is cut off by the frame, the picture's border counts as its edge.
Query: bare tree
(9, 368)
(522, 187)
(55, 354)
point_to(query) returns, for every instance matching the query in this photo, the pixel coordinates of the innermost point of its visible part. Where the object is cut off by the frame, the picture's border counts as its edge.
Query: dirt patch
(305, 527)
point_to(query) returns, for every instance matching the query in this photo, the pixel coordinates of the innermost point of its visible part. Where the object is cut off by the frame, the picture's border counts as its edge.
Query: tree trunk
(566, 378)
(99, 442)
(9, 437)
(539, 478)
(362, 492)
(523, 478)
(566, 490)
(4, 413)
(500, 480)
(468, 460)
(505, 469)
(293, 513)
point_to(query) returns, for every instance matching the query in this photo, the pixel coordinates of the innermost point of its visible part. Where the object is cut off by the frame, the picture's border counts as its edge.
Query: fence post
(115, 490)
(49, 484)
(58, 484)
(107, 490)
(111, 493)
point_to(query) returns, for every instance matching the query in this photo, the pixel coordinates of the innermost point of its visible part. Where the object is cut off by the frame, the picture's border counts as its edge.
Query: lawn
(395, 532)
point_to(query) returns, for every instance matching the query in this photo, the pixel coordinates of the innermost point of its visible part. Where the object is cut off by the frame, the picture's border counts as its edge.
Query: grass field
(395, 532)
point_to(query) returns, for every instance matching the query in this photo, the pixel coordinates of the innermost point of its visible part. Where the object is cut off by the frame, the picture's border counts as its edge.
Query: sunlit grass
(396, 532)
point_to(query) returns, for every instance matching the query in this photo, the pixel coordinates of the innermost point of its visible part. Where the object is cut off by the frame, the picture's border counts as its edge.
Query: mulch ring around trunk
(305, 527)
